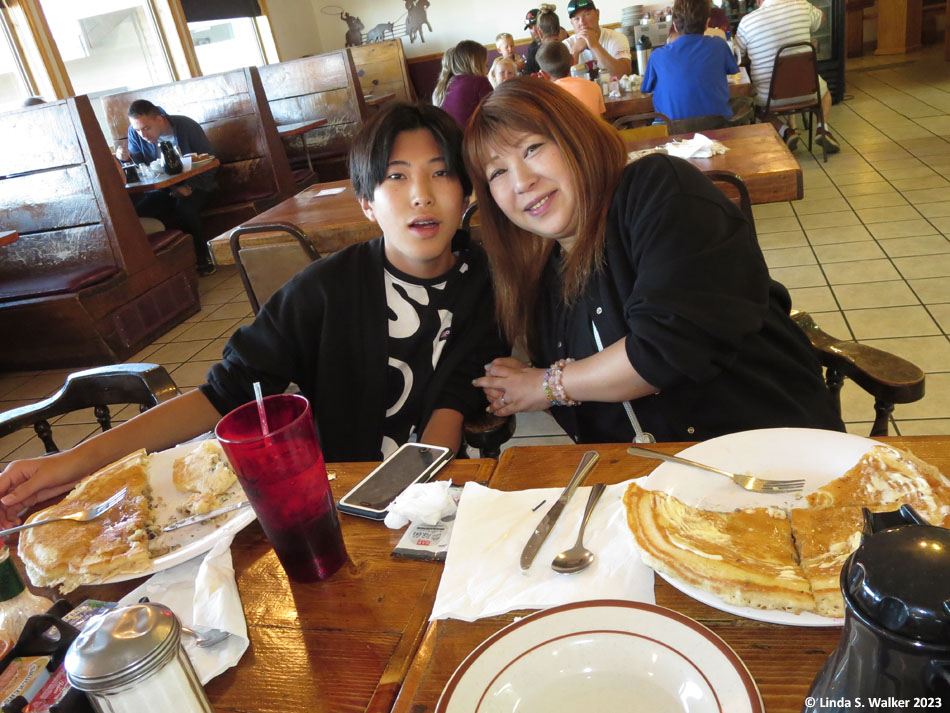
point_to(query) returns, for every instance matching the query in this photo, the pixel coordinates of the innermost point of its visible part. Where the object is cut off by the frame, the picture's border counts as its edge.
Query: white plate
(186, 542)
(604, 655)
(780, 453)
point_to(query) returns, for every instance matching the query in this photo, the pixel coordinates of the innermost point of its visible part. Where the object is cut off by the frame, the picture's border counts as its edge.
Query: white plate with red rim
(602, 655)
(815, 455)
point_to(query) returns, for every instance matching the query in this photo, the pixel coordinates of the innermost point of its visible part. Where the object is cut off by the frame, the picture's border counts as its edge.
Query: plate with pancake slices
(775, 558)
(127, 542)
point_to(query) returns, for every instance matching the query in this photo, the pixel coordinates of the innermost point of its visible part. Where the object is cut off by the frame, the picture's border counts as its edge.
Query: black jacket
(326, 331)
(685, 284)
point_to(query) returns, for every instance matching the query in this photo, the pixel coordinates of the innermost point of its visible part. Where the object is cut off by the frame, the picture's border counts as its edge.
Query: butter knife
(547, 522)
(195, 519)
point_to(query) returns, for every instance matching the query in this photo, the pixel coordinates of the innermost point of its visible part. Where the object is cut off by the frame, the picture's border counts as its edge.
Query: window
(13, 88)
(108, 45)
(227, 44)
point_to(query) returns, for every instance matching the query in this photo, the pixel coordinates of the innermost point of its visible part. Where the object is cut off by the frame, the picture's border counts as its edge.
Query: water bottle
(644, 48)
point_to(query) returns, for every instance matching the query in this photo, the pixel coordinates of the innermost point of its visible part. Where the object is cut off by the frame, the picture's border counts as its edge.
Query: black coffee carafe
(895, 644)
(171, 161)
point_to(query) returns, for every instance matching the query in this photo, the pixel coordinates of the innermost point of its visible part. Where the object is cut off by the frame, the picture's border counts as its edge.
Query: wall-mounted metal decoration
(415, 18)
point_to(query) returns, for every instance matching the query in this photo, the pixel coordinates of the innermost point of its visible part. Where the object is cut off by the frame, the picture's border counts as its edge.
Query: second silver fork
(749, 482)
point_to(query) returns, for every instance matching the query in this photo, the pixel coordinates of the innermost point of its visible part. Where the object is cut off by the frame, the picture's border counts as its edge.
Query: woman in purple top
(463, 81)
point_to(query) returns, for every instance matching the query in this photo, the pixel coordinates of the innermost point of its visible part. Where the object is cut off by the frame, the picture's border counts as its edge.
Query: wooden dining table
(164, 180)
(335, 220)
(300, 128)
(756, 153)
(332, 221)
(334, 646)
(640, 103)
(783, 660)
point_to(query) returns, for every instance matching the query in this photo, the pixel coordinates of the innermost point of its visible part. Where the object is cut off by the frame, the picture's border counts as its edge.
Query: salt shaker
(131, 661)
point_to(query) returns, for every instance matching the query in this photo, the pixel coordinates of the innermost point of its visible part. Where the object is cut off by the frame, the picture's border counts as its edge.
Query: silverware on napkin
(550, 518)
(195, 519)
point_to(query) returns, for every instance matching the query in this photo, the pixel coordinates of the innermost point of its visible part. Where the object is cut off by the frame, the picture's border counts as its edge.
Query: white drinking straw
(260, 407)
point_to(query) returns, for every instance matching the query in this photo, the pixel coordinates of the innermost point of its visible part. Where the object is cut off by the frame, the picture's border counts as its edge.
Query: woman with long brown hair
(463, 80)
(641, 285)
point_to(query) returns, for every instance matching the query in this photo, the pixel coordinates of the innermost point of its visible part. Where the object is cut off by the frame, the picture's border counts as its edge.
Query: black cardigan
(326, 331)
(685, 284)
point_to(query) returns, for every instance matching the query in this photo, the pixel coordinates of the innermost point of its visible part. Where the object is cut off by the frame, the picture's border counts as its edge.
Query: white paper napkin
(697, 147)
(483, 577)
(421, 504)
(202, 592)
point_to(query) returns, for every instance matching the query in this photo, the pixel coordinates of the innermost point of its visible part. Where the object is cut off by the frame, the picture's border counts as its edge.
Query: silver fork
(749, 482)
(78, 516)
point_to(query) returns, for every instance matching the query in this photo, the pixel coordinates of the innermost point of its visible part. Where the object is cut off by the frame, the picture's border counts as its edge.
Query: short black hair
(554, 59)
(143, 107)
(373, 144)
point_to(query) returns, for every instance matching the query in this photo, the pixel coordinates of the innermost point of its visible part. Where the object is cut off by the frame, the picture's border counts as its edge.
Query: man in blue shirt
(180, 205)
(688, 76)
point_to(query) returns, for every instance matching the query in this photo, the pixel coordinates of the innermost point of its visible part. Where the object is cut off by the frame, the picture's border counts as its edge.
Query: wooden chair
(795, 76)
(144, 384)
(736, 191)
(887, 377)
(634, 127)
(232, 109)
(83, 285)
(266, 269)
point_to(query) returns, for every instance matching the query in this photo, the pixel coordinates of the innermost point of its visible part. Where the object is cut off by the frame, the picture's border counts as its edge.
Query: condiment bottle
(17, 603)
(131, 661)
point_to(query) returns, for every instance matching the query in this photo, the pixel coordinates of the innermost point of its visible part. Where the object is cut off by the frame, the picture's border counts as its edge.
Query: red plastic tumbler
(285, 479)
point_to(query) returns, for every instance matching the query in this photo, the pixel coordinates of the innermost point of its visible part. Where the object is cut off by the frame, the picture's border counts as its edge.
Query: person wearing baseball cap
(590, 41)
(531, 24)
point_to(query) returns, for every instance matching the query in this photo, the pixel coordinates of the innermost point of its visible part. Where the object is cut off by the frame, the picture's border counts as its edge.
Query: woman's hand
(512, 386)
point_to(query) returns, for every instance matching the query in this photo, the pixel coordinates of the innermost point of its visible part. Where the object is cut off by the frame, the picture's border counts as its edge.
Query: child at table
(384, 337)
(641, 285)
(505, 44)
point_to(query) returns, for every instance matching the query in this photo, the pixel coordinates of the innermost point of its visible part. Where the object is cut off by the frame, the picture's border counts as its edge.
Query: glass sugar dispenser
(131, 661)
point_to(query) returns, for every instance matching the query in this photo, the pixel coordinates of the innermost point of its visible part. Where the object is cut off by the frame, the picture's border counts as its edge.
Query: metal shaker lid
(897, 579)
(122, 646)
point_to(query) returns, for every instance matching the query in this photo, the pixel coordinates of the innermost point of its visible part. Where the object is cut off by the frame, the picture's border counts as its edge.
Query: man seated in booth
(689, 76)
(180, 205)
(590, 41)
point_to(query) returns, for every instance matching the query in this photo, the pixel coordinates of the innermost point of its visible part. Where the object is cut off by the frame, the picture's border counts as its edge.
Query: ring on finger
(503, 400)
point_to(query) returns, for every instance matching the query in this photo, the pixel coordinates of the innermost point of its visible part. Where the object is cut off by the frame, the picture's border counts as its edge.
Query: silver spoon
(579, 557)
(206, 636)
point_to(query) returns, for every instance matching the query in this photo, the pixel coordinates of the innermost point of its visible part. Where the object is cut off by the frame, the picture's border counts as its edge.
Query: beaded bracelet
(553, 388)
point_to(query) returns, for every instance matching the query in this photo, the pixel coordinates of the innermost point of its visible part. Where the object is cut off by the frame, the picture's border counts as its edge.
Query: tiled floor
(867, 252)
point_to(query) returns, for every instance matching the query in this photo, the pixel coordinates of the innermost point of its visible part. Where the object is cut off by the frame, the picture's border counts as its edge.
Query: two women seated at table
(384, 337)
(688, 76)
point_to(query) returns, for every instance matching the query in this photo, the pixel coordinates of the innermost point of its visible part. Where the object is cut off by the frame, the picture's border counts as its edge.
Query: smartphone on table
(410, 463)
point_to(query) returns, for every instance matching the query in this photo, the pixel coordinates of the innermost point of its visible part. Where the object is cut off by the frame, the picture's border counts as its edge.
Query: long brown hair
(595, 156)
(467, 57)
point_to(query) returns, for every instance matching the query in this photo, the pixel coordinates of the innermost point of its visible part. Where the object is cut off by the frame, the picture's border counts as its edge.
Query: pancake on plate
(741, 557)
(745, 558)
(69, 554)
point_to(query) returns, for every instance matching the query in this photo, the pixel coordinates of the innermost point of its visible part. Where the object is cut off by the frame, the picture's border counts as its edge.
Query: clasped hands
(511, 387)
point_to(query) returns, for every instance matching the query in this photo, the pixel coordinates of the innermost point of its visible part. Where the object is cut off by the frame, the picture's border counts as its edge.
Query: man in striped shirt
(760, 35)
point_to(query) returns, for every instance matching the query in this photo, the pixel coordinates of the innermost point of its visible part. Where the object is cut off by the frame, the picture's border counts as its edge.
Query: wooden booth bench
(324, 86)
(82, 284)
(255, 173)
